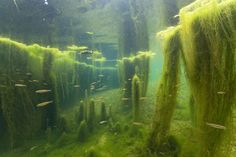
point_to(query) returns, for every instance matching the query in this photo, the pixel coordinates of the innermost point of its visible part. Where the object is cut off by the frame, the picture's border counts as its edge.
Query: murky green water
(117, 78)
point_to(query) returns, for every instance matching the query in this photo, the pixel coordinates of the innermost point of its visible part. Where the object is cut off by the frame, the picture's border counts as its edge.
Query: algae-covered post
(91, 116)
(167, 92)
(37, 81)
(208, 38)
(103, 113)
(138, 64)
(83, 132)
(79, 115)
(133, 38)
(136, 95)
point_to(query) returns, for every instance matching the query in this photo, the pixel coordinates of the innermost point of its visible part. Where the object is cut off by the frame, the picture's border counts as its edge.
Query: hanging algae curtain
(27, 69)
(207, 37)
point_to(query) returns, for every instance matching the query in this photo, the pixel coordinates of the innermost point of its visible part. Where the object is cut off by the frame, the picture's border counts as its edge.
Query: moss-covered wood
(167, 94)
(35, 82)
(207, 37)
(136, 95)
(128, 67)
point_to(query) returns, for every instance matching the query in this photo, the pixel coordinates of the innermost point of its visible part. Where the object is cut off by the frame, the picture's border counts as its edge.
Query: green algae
(138, 64)
(103, 112)
(207, 41)
(91, 116)
(136, 95)
(167, 93)
(83, 132)
(209, 56)
(25, 69)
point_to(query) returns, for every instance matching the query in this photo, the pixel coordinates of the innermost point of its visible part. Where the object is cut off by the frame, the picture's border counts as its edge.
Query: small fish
(101, 75)
(217, 126)
(89, 33)
(137, 123)
(93, 83)
(143, 98)
(35, 81)
(221, 93)
(124, 89)
(76, 86)
(45, 2)
(103, 122)
(16, 5)
(20, 85)
(42, 91)
(32, 148)
(125, 99)
(129, 79)
(44, 103)
(89, 58)
(28, 74)
(176, 16)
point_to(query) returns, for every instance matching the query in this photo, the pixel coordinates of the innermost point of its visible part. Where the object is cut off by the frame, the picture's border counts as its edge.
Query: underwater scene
(117, 78)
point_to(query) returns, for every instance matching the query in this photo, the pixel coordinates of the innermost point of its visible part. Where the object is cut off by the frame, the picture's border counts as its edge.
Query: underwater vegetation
(36, 82)
(133, 31)
(136, 95)
(91, 116)
(134, 56)
(205, 40)
(103, 112)
(96, 101)
(167, 94)
(128, 67)
(83, 131)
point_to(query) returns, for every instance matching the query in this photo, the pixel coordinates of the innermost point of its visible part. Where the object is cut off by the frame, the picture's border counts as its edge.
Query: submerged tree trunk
(208, 39)
(166, 96)
(133, 38)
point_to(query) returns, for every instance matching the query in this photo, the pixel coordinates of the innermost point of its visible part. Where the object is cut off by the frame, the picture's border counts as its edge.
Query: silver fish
(44, 103)
(93, 83)
(103, 122)
(76, 86)
(32, 148)
(42, 91)
(125, 99)
(20, 85)
(137, 123)
(217, 126)
(221, 93)
(35, 81)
